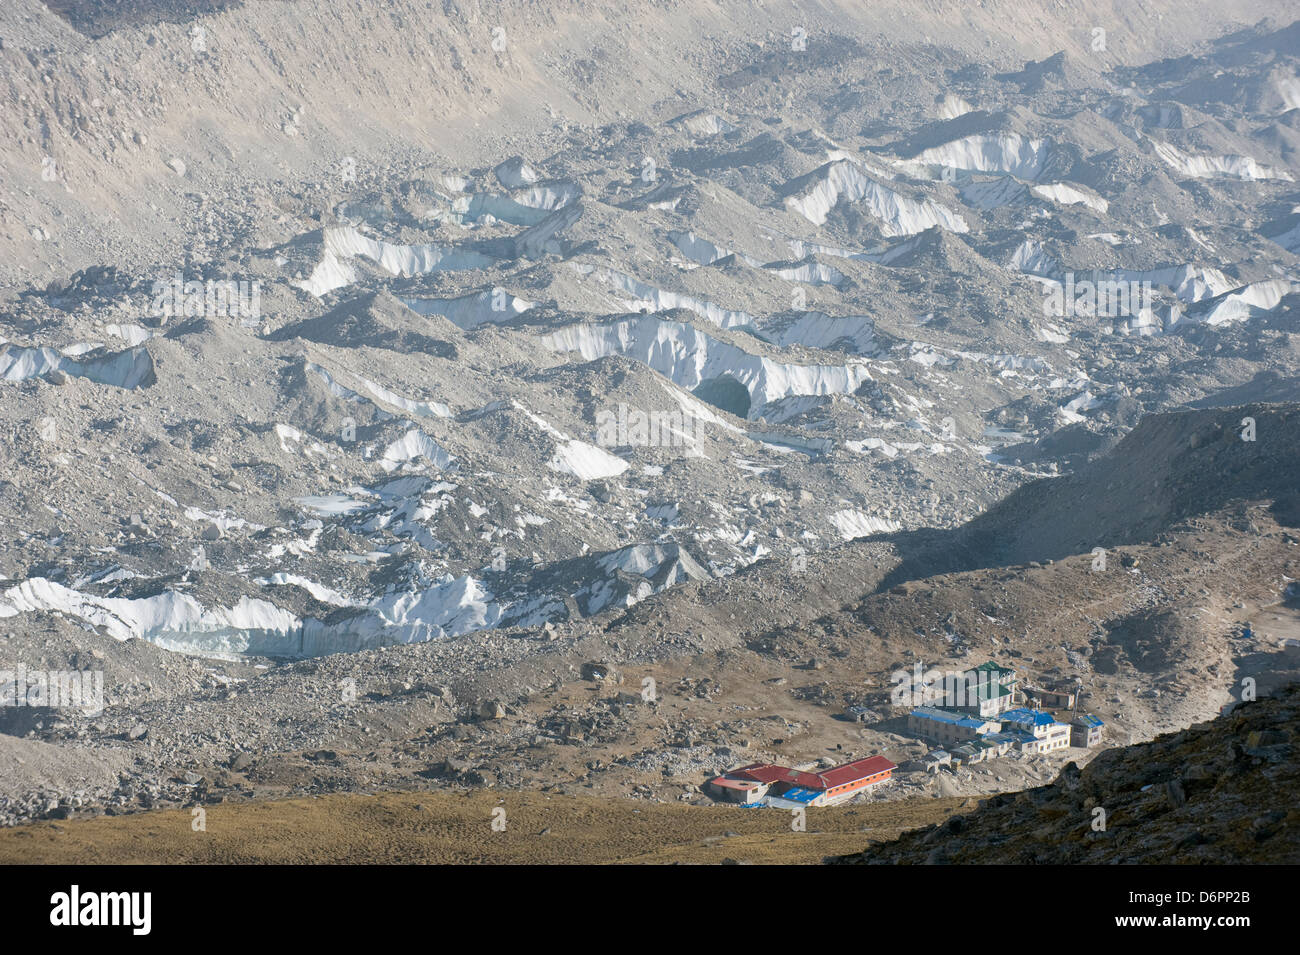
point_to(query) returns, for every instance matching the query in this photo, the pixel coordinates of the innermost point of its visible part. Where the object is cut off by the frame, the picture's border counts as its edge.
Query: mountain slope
(1217, 792)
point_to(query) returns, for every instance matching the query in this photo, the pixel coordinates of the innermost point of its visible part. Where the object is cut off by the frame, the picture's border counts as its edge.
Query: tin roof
(771, 773)
(856, 770)
(1023, 714)
(835, 776)
(944, 716)
(932, 713)
(800, 794)
(988, 690)
(990, 667)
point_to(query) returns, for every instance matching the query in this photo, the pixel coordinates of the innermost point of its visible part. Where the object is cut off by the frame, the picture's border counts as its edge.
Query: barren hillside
(582, 400)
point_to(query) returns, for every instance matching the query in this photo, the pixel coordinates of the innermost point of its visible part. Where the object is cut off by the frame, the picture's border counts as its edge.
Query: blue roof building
(1044, 729)
(1085, 731)
(1024, 716)
(1009, 736)
(947, 716)
(947, 726)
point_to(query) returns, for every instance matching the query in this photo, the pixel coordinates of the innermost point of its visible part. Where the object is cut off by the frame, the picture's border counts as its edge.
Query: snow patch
(844, 181)
(470, 311)
(1217, 167)
(687, 357)
(852, 524)
(1008, 154)
(129, 370)
(345, 242)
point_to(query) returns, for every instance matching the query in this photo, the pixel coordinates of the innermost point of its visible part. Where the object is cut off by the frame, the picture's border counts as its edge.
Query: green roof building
(990, 689)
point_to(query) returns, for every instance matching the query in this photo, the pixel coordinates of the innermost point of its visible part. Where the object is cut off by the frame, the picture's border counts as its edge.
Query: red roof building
(858, 769)
(770, 773)
(756, 781)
